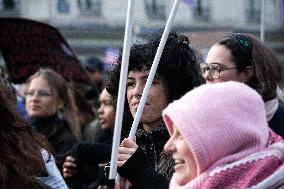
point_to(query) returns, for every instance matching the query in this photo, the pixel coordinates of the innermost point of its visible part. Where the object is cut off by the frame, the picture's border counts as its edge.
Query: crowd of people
(217, 124)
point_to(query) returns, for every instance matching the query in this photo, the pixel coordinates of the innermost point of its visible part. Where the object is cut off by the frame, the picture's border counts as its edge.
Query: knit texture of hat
(220, 122)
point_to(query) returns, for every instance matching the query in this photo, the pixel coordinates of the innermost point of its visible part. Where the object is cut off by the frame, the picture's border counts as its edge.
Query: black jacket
(88, 156)
(277, 121)
(149, 167)
(58, 134)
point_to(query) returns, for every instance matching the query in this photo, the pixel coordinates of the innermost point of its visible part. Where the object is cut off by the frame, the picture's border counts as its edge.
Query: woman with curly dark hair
(144, 163)
(20, 158)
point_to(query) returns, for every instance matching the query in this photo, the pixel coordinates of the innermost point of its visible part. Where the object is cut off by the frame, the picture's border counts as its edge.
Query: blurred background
(95, 28)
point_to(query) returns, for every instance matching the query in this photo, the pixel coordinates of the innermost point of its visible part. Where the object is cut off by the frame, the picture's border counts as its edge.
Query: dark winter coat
(149, 167)
(277, 121)
(58, 134)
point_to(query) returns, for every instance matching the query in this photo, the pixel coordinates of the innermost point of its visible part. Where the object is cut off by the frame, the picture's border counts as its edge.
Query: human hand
(69, 167)
(126, 149)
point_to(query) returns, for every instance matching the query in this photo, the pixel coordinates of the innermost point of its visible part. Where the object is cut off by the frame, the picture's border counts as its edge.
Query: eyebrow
(106, 101)
(43, 90)
(143, 77)
(216, 64)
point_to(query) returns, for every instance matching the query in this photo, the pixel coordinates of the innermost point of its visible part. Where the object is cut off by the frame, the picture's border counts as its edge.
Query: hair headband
(243, 40)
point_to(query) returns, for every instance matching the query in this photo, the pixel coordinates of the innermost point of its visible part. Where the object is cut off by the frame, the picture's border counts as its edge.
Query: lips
(178, 164)
(136, 104)
(35, 107)
(179, 161)
(102, 121)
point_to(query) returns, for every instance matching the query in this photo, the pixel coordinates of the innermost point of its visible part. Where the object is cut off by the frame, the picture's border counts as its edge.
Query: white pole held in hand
(121, 90)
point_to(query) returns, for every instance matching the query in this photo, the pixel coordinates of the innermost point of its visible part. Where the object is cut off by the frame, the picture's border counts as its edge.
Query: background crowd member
(51, 111)
(87, 156)
(145, 164)
(243, 58)
(20, 158)
(100, 130)
(85, 113)
(222, 140)
(95, 70)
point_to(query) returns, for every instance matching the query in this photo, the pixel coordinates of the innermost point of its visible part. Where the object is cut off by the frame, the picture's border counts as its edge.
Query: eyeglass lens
(41, 93)
(214, 69)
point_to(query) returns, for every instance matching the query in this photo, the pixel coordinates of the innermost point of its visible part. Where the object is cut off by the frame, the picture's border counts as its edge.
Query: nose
(169, 146)
(138, 90)
(101, 109)
(34, 97)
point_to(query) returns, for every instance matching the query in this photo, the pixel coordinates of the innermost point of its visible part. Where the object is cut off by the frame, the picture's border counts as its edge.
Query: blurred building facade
(92, 27)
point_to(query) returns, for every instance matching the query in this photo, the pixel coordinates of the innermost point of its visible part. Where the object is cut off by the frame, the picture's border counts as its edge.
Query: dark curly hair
(178, 67)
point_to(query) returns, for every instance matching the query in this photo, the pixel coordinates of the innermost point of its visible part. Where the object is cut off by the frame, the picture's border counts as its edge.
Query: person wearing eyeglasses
(52, 111)
(244, 58)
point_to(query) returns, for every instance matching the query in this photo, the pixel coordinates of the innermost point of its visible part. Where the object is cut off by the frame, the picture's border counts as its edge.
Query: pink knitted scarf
(260, 170)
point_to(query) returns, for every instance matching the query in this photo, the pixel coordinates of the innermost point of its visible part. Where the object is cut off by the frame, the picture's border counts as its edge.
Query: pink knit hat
(220, 122)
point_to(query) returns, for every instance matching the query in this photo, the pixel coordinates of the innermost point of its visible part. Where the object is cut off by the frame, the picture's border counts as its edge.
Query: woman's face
(222, 55)
(156, 99)
(40, 101)
(106, 110)
(185, 166)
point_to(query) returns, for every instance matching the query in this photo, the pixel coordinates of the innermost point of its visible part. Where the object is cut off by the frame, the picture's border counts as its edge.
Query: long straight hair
(59, 87)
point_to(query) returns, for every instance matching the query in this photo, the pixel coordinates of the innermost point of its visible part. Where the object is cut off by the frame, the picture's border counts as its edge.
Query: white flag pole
(262, 21)
(153, 69)
(121, 90)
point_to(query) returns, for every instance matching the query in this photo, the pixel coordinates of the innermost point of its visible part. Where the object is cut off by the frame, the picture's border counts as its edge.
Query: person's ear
(247, 74)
